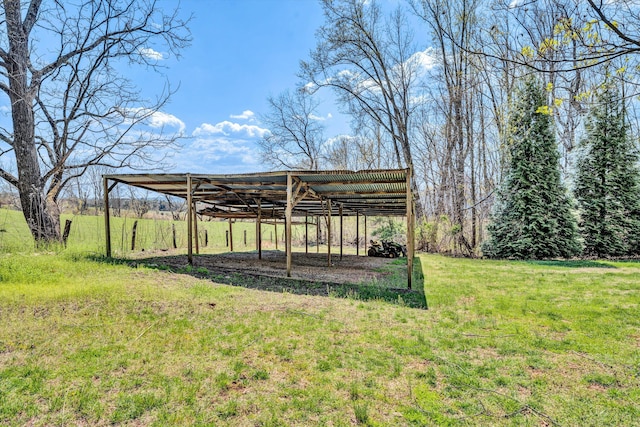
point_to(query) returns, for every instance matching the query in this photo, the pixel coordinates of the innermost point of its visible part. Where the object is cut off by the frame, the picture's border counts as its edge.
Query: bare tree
(369, 59)
(72, 109)
(351, 153)
(139, 202)
(452, 25)
(621, 20)
(295, 131)
(175, 205)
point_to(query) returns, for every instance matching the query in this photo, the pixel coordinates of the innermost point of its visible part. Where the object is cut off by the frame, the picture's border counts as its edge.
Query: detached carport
(282, 196)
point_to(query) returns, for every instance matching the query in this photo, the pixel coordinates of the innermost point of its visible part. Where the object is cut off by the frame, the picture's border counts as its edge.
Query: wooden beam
(364, 193)
(317, 234)
(107, 220)
(189, 221)
(410, 231)
(306, 235)
(112, 186)
(287, 219)
(341, 230)
(295, 189)
(329, 233)
(366, 239)
(259, 230)
(357, 233)
(195, 228)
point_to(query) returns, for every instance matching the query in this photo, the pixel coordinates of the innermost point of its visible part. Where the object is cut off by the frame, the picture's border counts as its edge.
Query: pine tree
(532, 217)
(607, 184)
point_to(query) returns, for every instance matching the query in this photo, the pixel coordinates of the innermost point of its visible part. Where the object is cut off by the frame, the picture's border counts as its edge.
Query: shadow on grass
(414, 298)
(572, 263)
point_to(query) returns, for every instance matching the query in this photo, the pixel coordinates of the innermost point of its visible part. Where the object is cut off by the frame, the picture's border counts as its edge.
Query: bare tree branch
(71, 109)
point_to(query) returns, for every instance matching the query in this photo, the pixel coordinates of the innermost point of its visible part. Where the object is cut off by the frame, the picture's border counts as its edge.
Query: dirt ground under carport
(358, 277)
(311, 267)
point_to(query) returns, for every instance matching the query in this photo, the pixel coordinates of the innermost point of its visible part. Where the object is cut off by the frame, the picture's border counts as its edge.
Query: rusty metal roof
(367, 192)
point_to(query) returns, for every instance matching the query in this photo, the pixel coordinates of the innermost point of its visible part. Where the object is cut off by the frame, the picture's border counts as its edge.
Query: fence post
(133, 235)
(67, 230)
(173, 230)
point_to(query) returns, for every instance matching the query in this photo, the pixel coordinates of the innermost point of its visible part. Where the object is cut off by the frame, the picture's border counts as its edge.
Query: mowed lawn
(84, 341)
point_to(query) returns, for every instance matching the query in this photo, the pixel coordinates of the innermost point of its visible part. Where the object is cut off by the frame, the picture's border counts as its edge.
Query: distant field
(88, 341)
(87, 234)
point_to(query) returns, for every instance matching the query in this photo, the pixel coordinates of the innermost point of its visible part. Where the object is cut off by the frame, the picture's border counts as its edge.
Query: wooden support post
(357, 233)
(133, 234)
(173, 231)
(259, 230)
(317, 234)
(195, 228)
(245, 237)
(410, 230)
(275, 231)
(230, 235)
(306, 234)
(189, 220)
(65, 233)
(366, 239)
(329, 233)
(206, 238)
(107, 220)
(287, 223)
(341, 230)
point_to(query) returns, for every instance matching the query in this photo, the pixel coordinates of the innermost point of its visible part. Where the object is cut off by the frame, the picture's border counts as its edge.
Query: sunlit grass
(87, 235)
(85, 341)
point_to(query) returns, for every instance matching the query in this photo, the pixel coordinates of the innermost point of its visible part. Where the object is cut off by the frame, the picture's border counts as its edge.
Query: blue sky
(242, 52)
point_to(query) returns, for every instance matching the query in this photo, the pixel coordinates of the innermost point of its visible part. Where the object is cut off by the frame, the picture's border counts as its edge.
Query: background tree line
(428, 84)
(443, 104)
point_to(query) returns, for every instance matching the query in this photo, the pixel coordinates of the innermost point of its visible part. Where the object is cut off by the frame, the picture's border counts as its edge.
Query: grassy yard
(86, 341)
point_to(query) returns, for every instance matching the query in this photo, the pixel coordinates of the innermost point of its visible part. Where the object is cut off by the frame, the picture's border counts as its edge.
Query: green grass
(89, 342)
(87, 235)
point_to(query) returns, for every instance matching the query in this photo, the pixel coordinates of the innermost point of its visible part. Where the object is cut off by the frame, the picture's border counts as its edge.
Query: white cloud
(154, 119)
(425, 59)
(420, 62)
(223, 145)
(320, 118)
(339, 138)
(309, 87)
(227, 128)
(159, 119)
(223, 153)
(149, 53)
(246, 115)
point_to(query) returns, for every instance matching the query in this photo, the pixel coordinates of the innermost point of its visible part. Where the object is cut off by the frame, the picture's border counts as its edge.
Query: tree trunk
(42, 214)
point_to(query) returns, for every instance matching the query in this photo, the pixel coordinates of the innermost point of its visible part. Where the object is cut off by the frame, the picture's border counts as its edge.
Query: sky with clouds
(242, 52)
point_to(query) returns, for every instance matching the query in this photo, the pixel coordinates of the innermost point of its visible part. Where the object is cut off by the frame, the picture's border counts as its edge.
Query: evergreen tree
(532, 217)
(607, 183)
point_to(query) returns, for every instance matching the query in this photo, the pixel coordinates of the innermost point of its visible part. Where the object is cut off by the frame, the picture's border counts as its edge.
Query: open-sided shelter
(283, 195)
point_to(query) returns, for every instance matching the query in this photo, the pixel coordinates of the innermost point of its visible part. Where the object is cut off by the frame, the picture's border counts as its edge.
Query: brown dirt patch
(310, 267)
(359, 277)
